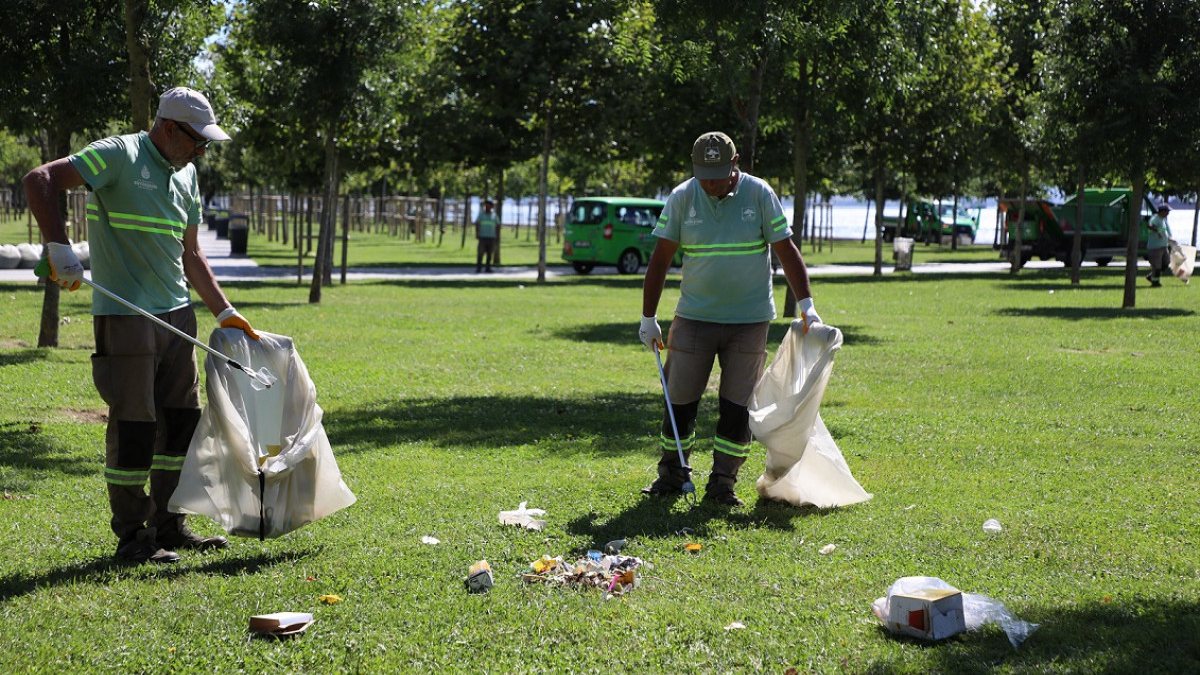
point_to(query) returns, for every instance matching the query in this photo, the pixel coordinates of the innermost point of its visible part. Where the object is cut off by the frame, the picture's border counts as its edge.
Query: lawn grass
(15, 230)
(954, 400)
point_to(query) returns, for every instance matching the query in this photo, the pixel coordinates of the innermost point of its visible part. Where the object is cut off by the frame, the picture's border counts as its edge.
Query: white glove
(808, 314)
(649, 332)
(65, 267)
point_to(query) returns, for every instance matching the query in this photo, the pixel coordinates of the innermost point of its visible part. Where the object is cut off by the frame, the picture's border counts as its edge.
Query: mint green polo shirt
(1160, 233)
(138, 210)
(487, 225)
(726, 276)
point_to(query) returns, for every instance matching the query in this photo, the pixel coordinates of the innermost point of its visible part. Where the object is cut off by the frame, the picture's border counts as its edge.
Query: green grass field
(954, 400)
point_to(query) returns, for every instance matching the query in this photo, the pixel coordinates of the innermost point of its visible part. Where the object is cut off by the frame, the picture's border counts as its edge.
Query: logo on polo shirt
(749, 213)
(145, 183)
(691, 219)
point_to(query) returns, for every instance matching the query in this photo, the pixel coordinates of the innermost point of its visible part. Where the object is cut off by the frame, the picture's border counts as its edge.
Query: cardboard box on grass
(929, 614)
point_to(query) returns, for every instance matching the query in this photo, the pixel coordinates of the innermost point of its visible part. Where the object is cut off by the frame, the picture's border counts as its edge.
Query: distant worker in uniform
(143, 213)
(487, 230)
(1157, 245)
(727, 224)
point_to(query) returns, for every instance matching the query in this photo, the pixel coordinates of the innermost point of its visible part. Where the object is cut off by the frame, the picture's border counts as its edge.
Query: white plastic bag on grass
(978, 610)
(804, 464)
(260, 463)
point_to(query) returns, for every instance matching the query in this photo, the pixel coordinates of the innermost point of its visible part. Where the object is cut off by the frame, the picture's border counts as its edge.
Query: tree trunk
(1195, 217)
(141, 88)
(59, 145)
(1129, 301)
(328, 215)
(543, 171)
(499, 217)
(1018, 254)
(879, 221)
(801, 132)
(345, 237)
(1077, 233)
(954, 221)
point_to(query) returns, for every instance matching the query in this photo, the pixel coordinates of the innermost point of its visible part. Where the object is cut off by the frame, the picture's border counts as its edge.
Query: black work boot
(143, 547)
(176, 535)
(722, 479)
(671, 475)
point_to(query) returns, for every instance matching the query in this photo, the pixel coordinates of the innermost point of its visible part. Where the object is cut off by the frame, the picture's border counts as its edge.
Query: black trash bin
(221, 222)
(210, 218)
(239, 233)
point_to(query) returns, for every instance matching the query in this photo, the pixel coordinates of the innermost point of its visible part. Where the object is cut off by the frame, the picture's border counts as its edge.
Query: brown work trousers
(147, 375)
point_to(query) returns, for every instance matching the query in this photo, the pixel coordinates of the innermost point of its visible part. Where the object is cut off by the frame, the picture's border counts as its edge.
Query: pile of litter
(615, 574)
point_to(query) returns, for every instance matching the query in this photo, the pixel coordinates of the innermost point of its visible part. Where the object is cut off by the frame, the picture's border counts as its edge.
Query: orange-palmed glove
(231, 319)
(808, 314)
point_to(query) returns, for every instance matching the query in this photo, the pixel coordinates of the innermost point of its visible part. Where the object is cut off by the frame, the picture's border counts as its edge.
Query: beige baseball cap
(712, 156)
(188, 105)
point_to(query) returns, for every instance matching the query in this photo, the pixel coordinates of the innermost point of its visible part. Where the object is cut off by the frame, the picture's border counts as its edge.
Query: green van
(610, 231)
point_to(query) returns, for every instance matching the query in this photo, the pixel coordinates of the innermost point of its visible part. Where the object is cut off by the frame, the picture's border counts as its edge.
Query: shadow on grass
(30, 453)
(657, 517)
(614, 423)
(626, 333)
(1144, 636)
(23, 356)
(1084, 313)
(106, 570)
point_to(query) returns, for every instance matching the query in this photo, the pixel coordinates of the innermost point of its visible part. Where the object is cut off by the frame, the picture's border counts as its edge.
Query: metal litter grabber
(689, 488)
(263, 378)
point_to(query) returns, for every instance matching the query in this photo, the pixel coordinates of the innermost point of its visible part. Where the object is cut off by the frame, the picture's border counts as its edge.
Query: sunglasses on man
(200, 141)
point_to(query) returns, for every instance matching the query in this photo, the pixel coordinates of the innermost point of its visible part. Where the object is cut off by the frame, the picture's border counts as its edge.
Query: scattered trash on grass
(736, 625)
(693, 547)
(992, 525)
(280, 624)
(479, 577)
(432, 541)
(828, 548)
(684, 531)
(330, 599)
(616, 574)
(523, 517)
(977, 610)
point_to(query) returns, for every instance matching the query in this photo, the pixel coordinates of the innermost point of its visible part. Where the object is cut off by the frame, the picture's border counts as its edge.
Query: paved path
(239, 268)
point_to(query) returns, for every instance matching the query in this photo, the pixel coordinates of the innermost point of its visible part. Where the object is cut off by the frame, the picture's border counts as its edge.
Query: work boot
(143, 547)
(722, 479)
(179, 537)
(671, 475)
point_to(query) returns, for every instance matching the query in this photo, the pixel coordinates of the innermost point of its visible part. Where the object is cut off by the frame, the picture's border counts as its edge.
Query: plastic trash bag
(804, 465)
(1183, 260)
(978, 610)
(523, 517)
(259, 463)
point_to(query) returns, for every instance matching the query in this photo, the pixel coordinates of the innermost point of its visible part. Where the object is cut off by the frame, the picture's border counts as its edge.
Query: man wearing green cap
(143, 213)
(727, 224)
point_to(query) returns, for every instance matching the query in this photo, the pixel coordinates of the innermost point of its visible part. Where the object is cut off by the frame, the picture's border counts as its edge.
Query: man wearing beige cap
(143, 213)
(726, 223)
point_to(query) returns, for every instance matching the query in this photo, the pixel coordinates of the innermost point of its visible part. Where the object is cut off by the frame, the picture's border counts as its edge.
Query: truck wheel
(582, 268)
(1103, 262)
(629, 262)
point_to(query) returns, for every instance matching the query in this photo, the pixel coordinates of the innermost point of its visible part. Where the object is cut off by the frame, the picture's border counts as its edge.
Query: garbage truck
(1048, 229)
(932, 223)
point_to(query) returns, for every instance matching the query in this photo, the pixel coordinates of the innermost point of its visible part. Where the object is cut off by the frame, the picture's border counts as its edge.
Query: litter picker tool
(262, 377)
(689, 488)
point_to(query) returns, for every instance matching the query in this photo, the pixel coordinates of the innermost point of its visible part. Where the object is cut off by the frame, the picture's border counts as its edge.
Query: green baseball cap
(712, 156)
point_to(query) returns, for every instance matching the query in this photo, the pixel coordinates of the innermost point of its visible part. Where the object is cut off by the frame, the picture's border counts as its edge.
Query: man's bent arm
(42, 187)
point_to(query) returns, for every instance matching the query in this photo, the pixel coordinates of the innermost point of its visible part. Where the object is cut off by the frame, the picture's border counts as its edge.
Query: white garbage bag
(804, 465)
(1183, 260)
(260, 463)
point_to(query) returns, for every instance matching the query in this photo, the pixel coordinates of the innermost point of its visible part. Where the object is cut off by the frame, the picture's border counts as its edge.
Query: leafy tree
(162, 37)
(62, 71)
(318, 78)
